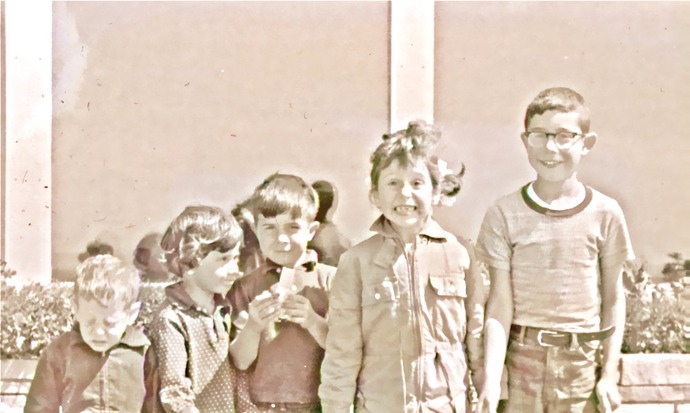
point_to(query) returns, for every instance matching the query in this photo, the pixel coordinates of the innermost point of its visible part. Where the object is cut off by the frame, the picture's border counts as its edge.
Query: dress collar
(179, 298)
(308, 261)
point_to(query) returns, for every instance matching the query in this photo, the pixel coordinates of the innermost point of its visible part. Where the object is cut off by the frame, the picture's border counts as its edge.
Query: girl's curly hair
(417, 142)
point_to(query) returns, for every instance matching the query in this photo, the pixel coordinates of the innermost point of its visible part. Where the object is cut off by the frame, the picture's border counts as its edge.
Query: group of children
(399, 326)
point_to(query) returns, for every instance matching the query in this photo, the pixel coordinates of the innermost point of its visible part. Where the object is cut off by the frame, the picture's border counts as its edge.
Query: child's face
(405, 196)
(283, 239)
(102, 327)
(553, 163)
(217, 271)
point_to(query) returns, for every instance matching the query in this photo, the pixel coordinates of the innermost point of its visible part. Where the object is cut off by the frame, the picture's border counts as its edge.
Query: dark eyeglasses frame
(540, 139)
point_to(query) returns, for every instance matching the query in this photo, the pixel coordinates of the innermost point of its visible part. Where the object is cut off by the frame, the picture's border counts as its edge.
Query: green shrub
(654, 319)
(34, 314)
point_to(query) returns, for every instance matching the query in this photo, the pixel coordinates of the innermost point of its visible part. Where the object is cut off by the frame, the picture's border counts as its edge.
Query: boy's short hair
(197, 231)
(285, 193)
(142, 252)
(106, 279)
(561, 99)
(327, 194)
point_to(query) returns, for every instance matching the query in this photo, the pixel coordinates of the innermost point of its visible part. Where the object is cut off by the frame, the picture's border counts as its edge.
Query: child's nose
(100, 331)
(283, 237)
(551, 145)
(232, 267)
(406, 189)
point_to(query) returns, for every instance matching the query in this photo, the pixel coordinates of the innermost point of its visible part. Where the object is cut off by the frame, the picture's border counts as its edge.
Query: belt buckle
(574, 343)
(540, 336)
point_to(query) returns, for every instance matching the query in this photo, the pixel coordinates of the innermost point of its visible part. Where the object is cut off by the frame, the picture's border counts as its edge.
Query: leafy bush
(655, 319)
(677, 268)
(34, 314)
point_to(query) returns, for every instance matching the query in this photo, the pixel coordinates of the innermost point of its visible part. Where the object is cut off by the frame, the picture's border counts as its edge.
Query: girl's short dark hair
(197, 231)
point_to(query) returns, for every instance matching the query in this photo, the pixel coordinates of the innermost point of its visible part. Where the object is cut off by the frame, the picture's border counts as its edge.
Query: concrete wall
(631, 62)
(157, 105)
(163, 104)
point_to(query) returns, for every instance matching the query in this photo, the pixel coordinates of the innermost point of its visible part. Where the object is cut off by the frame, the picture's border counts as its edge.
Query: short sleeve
(616, 247)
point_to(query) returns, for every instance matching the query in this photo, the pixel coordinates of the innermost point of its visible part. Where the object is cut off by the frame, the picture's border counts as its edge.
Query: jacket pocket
(380, 292)
(445, 301)
(448, 285)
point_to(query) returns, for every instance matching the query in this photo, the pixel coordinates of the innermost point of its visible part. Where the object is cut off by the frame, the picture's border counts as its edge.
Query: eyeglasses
(563, 139)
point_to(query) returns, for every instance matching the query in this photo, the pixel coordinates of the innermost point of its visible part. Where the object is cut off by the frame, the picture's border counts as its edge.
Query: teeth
(405, 209)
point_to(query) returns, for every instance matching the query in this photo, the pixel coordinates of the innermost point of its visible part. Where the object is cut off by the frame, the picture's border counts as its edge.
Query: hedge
(34, 314)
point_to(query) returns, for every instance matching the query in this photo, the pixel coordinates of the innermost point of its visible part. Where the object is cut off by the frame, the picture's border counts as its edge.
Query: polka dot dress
(194, 366)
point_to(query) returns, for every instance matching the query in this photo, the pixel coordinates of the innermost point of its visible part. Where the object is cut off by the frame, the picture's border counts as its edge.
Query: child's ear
(523, 138)
(312, 229)
(374, 197)
(436, 198)
(588, 142)
(133, 312)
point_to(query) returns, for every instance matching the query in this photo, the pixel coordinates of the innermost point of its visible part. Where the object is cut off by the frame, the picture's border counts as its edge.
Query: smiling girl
(405, 305)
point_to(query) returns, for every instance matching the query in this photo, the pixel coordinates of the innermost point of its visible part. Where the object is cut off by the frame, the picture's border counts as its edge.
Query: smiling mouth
(405, 209)
(231, 277)
(550, 164)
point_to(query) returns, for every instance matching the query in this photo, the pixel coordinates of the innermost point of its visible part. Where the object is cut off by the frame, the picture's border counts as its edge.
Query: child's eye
(392, 183)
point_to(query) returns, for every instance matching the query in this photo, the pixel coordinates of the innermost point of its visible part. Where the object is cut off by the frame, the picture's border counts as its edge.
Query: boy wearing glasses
(555, 251)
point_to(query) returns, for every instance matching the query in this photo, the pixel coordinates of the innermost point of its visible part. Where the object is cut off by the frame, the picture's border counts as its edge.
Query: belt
(550, 338)
(288, 407)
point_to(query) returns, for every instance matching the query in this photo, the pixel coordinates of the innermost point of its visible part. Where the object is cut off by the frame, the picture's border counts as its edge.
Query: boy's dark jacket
(73, 376)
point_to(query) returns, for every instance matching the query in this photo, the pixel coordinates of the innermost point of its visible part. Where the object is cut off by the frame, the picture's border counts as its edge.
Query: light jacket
(71, 377)
(398, 325)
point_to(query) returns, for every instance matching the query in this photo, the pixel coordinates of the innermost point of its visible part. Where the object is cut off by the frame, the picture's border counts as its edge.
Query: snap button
(377, 296)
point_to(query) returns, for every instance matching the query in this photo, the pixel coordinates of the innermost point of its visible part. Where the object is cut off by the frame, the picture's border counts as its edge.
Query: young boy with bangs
(555, 251)
(280, 307)
(99, 364)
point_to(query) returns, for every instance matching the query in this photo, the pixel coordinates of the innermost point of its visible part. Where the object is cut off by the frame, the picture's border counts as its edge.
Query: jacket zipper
(416, 309)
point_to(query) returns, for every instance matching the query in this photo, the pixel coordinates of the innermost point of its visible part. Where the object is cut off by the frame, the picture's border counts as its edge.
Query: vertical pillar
(412, 62)
(27, 186)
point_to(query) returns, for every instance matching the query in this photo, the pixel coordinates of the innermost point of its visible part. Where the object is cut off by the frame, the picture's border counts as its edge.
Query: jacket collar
(432, 230)
(391, 249)
(133, 337)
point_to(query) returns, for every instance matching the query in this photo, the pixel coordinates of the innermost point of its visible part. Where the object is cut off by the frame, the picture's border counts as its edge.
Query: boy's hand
(488, 402)
(298, 309)
(607, 393)
(263, 310)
